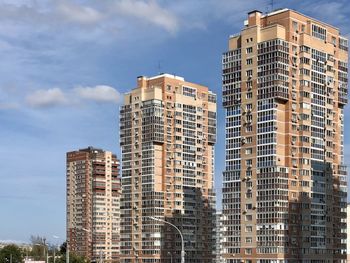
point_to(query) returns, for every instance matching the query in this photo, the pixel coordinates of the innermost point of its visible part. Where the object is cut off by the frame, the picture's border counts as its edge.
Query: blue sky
(64, 66)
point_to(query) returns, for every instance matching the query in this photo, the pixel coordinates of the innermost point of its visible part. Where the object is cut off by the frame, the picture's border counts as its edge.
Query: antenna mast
(271, 5)
(159, 67)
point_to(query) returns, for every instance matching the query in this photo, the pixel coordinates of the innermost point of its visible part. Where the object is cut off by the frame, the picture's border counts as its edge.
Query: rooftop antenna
(159, 67)
(271, 3)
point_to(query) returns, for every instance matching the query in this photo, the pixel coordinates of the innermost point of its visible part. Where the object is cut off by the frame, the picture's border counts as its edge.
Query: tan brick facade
(168, 132)
(284, 187)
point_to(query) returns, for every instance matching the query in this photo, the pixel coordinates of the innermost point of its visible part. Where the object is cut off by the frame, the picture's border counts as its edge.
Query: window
(343, 44)
(249, 50)
(248, 229)
(334, 41)
(248, 239)
(248, 218)
(319, 32)
(187, 91)
(295, 26)
(249, 73)
(248, 251)
(249, 139)
(249, 61)
(249, 151)
(249, 95)
(249, 84)
(248, 206)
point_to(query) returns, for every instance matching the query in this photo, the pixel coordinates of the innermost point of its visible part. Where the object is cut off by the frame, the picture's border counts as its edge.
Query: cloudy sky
(64, 65)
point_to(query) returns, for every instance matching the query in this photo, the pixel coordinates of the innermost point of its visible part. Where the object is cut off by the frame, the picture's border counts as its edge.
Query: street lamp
(171, 257)
(182, 238)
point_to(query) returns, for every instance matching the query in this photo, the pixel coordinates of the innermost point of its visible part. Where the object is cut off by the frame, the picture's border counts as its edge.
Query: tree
(11, 253)
(63, 248)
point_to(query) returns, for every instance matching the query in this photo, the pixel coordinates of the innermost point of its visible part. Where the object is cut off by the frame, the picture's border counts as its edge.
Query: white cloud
(148, 11)
(46, 98)
(57, 97)
(78, 13)
(99, 93)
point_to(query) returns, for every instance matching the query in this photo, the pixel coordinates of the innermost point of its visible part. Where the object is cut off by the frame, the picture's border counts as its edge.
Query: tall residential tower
(284, 186)
(93, 202)
(167, 134)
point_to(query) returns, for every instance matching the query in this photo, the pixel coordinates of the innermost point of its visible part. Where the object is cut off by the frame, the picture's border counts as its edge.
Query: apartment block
(93, 204)
(167, 136)
(284, 185)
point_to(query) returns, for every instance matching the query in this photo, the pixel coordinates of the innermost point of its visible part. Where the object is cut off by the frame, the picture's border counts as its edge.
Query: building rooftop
(167, 75)
(282, 10)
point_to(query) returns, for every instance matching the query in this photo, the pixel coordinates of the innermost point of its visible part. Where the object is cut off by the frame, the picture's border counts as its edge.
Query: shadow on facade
(197, 226)
(316, 220)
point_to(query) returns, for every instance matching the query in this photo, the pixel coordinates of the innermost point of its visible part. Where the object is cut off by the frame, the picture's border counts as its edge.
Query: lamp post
(182, 238)
(171, 257)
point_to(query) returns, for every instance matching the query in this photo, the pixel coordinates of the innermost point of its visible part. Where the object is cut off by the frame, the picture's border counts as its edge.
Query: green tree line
(38, 250)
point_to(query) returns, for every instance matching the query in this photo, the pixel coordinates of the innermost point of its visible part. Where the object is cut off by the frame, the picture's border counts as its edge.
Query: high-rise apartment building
(93, 204)
(284, 186)
(167, 135)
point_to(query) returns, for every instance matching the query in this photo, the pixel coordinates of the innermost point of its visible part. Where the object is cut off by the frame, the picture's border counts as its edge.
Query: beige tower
(93, 204)
(284, 186)
(168, 132)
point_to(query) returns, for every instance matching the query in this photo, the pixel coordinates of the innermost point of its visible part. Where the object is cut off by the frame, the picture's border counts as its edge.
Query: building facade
(348, 231)
(167, 136)
(284, 185)
(219, 237)
(93, 204)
